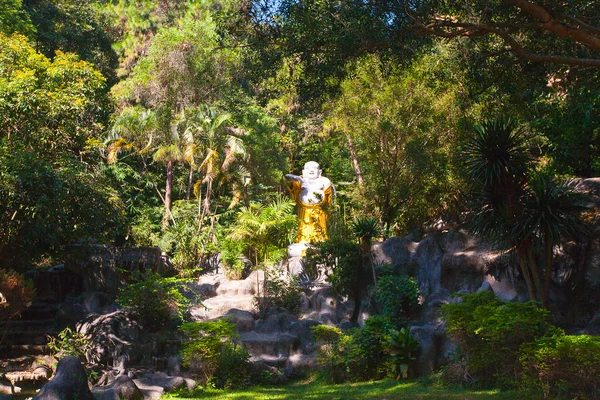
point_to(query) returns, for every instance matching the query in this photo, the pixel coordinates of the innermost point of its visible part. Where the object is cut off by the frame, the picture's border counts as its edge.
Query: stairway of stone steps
(23, 340)
(278, 339)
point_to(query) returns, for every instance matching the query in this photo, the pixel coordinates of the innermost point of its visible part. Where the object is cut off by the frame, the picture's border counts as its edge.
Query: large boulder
(69, 383)
(123, 388)
(104, 268)
(115, 337)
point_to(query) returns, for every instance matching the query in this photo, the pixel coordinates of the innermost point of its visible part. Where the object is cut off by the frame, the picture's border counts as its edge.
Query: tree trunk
(207, 197)
(365, 249)
(168, 191)
(356, 297)
(188, 192)
(355, 164)
(525, 269)
(548, 261)
(535, 274)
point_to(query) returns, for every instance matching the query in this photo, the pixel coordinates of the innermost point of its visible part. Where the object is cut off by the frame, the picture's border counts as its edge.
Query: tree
(265, 230)
(403, 122)
(539, 31)
(51, 106)
(14, 19)
(515, 208)
(76, 27)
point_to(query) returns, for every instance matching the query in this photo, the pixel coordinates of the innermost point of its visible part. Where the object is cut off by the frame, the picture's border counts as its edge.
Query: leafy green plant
(278, 293)
(233, 368)
(154, 301)
(401, 346)
(355, 355)
(69, 343)
(209, 351)
(232, 257)
(486, 329)
(398, 297)
(265, 230)
(562, 366)
(344, 259)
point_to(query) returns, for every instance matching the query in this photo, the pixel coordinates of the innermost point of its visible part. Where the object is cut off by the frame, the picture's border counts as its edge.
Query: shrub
(278, 293)
(401, 347)
(69, 343)
(398, 297)
(233, 368)
(330, 360)
(563, 366)
(210, 352)
(232, 255)
(354, 355)
(154, 301)
(343, 259)
(490, 334)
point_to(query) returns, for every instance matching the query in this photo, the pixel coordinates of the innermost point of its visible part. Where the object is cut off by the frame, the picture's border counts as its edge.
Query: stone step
(28, 332)
(10, 351)
(273, 361)
(218, 306)
(274, 345)
(40, 310)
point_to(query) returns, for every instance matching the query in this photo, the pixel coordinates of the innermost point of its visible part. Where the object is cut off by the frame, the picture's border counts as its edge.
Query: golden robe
(312, 218)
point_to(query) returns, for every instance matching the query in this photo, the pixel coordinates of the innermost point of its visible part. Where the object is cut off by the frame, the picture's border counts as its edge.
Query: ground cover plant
(386, 389)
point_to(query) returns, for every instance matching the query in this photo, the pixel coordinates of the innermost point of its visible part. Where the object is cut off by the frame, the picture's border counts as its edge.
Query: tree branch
(478, 30)
(551, 24)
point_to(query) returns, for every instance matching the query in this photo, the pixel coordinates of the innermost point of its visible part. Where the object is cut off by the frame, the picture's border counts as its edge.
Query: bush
(278, 293)
(232, 255)
(490, 334)
(154, 301)
(69, 343)
(209, 352)
(233, 368)
(398, 297)
(343, 259)
(354, 355)
(563, 366)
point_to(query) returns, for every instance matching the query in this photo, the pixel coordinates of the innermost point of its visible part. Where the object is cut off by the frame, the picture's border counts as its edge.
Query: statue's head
(311, 170)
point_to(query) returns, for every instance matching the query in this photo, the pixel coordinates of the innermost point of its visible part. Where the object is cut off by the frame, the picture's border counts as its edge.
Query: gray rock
(275, 322)
(123, 388)
(430, 312)
(430, 338)
(302, 329)
(485, 287)
(166, 382)
(241, 318)
(69, 383)
(174, 365)
(114, 338)
(593, 327)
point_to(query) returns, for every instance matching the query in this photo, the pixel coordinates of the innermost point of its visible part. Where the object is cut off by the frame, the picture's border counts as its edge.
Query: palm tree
(550, 211)
(265, 228)
(207, 143)
(140, 129)
(513, 209)
(496, 161)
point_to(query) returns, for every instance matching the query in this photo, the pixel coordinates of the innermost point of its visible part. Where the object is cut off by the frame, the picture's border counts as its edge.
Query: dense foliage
(210, 353)
(171, 124)
(154, 301)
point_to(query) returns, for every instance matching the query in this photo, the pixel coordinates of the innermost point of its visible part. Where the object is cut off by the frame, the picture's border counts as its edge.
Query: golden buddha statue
(311, 192)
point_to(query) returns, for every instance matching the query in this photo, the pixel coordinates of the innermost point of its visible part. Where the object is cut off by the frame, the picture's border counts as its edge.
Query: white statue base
(297, 249)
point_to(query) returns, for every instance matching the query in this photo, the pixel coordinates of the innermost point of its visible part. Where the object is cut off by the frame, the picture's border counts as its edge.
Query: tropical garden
(171, 124)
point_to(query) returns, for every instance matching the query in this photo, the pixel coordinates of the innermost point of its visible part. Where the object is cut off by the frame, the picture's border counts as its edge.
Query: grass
(380, 390)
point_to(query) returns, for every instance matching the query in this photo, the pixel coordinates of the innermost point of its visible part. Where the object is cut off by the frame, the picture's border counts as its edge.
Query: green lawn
(388, 390)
